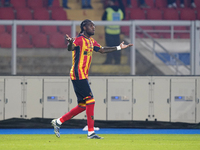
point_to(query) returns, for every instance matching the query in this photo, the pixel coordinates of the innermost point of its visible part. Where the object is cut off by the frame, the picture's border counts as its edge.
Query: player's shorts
(82, 90)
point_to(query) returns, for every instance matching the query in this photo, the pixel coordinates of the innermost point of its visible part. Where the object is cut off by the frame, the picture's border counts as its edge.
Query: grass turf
(110, 142)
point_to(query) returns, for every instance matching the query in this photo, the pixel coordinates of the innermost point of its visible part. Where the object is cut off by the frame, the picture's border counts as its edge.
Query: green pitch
(110, 142)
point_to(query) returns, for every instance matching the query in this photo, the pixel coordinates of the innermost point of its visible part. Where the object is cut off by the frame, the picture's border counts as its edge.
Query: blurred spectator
(143, 4)
(64, 3)
(112, 32)
(6, 3)
(86, 4)
(129, 3)
(172, 4)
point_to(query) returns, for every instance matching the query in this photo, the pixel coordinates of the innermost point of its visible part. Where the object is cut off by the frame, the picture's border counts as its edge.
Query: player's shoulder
(92, 39)
(78, 37)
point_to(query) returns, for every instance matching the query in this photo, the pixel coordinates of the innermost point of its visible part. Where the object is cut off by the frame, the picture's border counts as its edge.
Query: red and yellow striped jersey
(82, 56)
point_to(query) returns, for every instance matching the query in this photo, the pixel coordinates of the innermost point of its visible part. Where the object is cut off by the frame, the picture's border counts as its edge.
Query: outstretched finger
(67, 37)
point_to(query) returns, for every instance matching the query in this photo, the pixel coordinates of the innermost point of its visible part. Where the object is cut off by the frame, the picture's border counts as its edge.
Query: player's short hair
(84, 23)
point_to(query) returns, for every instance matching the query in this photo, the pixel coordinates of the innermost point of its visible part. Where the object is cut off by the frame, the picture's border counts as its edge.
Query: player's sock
(90, 114)
(73, 112)
(90, 132)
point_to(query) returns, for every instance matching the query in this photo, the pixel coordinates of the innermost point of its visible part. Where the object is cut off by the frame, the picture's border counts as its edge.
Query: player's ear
(84, 28)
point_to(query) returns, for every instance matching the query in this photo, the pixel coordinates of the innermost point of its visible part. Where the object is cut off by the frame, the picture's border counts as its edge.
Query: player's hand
(123, 46)
(69, 39)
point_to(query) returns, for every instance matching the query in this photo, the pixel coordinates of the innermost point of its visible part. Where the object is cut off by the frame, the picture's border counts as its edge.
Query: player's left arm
(70, 45)
(114, 48)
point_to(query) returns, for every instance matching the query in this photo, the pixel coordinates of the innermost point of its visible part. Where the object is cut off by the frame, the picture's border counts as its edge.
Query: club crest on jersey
(88, 53)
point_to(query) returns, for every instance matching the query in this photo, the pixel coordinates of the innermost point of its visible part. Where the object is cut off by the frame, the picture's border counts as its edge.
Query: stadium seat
(170, 14)
(146, 27)
(23, 41)
(154, 14)
(150, 3)
(24, 14)
(7, 13)
(19, 29)
(2, 29)
(162, 27)
(41, 14)
(165, 35)
(187, 14)
(5, 40)
(182, 35)
(18, 3)
(197, 2)
(35, 4)
(32, 29)
(57, 40)
(49, 29)
(65, 30)
(125, 30)
(153, 35)
(134, 3)
(40, 40)
(161, 3)
(180, 28)
(198, 14)
(58, 14)
(55, 4)
(137, 14)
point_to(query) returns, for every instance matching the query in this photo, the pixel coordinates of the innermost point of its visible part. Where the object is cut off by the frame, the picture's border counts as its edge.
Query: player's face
(90, 28)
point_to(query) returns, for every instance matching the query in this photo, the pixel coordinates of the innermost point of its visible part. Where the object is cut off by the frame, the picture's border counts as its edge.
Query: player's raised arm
(70, 40)
(114, 48)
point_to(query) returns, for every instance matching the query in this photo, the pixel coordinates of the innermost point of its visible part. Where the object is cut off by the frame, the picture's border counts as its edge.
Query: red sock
(90, 113)
(73, 112)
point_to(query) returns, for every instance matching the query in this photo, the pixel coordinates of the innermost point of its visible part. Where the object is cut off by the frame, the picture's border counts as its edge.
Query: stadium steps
(37, 61)
(155, 61)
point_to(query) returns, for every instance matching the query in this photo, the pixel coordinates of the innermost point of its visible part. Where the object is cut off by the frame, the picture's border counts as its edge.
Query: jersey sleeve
(77, 42)
(97, 46)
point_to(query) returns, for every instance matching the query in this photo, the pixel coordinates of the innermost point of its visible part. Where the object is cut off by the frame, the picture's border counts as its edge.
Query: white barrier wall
(152, 98)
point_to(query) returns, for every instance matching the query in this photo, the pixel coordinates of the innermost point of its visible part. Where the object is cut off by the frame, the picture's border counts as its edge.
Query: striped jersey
(82, 56)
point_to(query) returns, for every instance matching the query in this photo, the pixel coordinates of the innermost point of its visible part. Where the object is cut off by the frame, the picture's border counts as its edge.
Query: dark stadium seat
(154, 14)
(32, 29)
(18, 3)
(7, 13)
(23, 41)
(23, 14)
(49, 29)
(137, 14)
(35, 4)
(40, 40)
(41, 14)
(57, 40)
(58, 14)
(160, 3)
(170, 14)
(5, 40)
(19, 29)
(187, 14)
